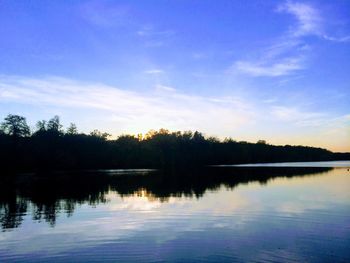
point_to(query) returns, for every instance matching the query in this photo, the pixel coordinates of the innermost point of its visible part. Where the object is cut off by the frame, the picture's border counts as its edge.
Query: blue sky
(273, 70)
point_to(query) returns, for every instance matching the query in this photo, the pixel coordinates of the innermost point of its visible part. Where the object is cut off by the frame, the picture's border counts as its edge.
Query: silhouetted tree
(101, 135)
(54, 125)
(15, 126)
(72, 129)
(41, 126)
(50, 148)
(197, 136)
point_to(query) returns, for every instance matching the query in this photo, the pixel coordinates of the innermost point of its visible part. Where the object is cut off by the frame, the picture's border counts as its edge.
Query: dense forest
(50, 147)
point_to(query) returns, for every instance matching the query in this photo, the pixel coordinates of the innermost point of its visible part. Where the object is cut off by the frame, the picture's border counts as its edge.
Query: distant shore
(50, 147)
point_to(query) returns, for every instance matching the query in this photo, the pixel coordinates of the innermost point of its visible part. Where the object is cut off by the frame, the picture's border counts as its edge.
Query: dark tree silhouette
(101, 135)
(72, 129)
(41, 126)
(50, 148)
(15, 126)
(54, 125)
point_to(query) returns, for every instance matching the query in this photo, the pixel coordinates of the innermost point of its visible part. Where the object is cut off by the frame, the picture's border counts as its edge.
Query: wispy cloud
(105, 14)
(309, 127)
(164, 88)
(337, 39)
(148, 31)
(153, 37)
(299, 117)
(127, 110)
(117, 111)
(154, 71)
(308, 18)
(288, 54)
(279, 59)
(310, 21)
(258, 69)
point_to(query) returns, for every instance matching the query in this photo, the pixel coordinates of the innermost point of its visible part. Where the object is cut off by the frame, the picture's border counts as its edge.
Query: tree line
(49, 147)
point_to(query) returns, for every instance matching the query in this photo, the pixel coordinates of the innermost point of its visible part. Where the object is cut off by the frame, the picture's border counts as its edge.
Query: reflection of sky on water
(298, 209)
(296, 164)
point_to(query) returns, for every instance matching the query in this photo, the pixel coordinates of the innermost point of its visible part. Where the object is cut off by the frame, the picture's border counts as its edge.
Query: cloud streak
(154, 71)
(298, 117)
(153, 37)
(308, 18)
(259, 69)
(132, 111)
(117, 111)
(288, 55)
(309, 21)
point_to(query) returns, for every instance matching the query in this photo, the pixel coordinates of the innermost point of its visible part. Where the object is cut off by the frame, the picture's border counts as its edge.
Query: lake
(294, 212)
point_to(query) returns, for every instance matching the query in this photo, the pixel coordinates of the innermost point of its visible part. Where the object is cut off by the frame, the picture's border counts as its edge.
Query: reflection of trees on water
(45, 197)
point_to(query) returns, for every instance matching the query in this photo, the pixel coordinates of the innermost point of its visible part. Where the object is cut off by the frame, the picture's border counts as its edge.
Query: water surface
(296, 164)
(225, 214)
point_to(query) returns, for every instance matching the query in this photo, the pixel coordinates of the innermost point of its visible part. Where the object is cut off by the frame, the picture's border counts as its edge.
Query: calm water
(225, 214)
(295, 164)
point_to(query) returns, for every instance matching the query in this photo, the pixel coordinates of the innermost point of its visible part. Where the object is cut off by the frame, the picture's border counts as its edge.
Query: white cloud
(310, 21)
(130, 111)
(154, 71)
(149, 31)
(308, 17)
(299, 117)
(276, 69)
(164, 88)
(337, 39)
(153, 37)
(118, 111)
(288, 54)
(301, 126)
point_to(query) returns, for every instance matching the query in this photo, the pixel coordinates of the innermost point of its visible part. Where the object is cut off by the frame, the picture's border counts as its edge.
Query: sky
(251, 70)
